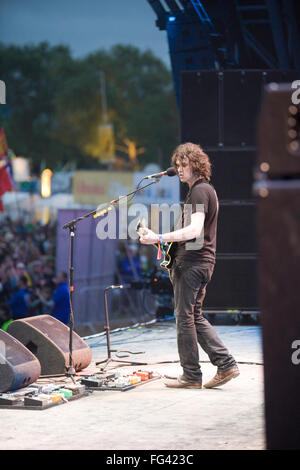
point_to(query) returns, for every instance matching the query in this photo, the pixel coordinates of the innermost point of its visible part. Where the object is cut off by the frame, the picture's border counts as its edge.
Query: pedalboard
(42, 397)
(117, 381)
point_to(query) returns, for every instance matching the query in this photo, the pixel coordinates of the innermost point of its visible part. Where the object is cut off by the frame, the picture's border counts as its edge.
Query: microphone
(169, 172)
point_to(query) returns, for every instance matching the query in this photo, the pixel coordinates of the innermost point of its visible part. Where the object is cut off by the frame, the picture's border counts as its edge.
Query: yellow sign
(98, 187)
(103, 147)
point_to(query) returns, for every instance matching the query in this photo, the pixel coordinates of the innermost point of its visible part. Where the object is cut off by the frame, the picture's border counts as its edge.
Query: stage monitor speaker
(279, 280)
(18, 366)
(48, 339)
(279, 132)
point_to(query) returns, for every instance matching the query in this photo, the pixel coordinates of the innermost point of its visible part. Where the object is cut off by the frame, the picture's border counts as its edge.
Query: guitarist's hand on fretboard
(147, 236)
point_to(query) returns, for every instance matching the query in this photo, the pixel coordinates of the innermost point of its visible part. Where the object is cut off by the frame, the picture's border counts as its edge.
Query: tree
(54, 106)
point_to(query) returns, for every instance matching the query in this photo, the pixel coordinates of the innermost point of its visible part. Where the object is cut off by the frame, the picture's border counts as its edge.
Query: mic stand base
(109, 359)
(125, 363)
(70, 372)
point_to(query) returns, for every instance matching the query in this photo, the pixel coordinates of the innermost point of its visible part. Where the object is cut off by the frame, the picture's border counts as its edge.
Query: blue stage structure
(236, 34)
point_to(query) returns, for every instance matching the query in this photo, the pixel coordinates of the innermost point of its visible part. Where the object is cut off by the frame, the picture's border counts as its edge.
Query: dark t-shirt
(201, 197)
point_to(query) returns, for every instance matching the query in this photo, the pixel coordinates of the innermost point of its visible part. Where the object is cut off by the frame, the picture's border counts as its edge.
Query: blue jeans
(189, 285)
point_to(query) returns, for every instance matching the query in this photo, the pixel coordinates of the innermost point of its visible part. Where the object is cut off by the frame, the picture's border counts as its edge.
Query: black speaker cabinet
(200, 107)
(279, 281)
(18, 366)
(279, 132)
(233, 284)
(48, 339)
(232, 173)
(222, 108)
(237, 228)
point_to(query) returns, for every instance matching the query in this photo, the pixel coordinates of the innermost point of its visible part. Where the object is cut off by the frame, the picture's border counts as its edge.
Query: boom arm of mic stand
(73, 222)
(116, 201)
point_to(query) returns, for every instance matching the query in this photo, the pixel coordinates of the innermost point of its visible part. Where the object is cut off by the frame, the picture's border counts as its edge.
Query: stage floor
(152, 416)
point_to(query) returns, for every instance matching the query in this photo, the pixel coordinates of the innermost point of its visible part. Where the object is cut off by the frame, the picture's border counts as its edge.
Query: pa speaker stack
(219, 111)
(278, 191)
(37, 346)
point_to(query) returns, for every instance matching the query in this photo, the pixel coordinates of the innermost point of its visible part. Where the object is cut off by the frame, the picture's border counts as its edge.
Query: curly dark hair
(199, 160)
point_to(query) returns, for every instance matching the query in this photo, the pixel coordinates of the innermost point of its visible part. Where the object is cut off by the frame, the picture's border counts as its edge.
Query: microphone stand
(70, 371)
(109, 358)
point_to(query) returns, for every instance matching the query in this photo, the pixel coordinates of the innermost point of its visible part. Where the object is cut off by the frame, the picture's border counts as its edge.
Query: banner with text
(98, 187)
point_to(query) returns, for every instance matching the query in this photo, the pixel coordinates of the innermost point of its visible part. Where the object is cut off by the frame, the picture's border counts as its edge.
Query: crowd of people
(28, 285)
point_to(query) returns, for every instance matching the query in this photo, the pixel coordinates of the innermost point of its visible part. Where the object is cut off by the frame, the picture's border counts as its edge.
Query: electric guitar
(168, 248)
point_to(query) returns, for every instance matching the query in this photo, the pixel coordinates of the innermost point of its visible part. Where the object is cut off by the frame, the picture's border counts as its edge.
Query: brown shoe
(222, 377)
(180, 382)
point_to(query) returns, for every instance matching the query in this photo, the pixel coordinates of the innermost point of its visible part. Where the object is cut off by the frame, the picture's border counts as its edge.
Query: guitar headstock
(141, 226)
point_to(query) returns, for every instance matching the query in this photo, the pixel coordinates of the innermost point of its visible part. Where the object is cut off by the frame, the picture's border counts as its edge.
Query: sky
(83, 25)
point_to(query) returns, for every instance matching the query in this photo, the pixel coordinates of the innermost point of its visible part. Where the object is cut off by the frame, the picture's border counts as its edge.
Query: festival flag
(6, 183)
(3, 144)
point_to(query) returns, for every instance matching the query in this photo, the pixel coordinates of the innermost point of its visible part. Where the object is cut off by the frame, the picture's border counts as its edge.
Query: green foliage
(54, 103)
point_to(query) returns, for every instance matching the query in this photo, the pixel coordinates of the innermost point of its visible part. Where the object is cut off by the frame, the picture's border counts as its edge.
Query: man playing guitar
(191, 267)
